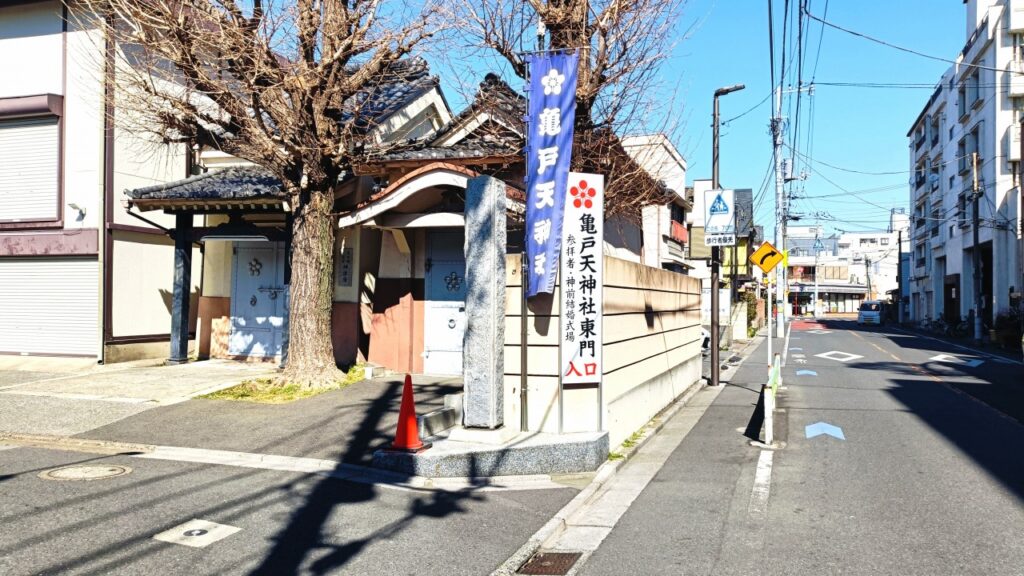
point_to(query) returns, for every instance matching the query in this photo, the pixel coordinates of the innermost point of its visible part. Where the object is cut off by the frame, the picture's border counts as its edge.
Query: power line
(900, 48)
(747, 111)
(821, 37)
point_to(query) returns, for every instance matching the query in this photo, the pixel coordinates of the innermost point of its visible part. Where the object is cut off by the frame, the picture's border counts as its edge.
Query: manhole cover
(85, 472)
(550, 563)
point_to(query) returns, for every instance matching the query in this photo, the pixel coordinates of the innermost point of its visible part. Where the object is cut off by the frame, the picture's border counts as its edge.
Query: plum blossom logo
(552, 82)
(582, 195)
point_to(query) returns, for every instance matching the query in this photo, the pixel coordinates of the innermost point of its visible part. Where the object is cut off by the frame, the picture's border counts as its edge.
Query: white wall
(30, 49)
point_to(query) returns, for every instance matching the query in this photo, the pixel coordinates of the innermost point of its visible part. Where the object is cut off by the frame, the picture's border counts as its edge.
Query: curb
(556, 525)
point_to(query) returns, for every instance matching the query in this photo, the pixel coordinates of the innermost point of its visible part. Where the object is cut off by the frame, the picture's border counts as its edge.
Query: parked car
(871, 312)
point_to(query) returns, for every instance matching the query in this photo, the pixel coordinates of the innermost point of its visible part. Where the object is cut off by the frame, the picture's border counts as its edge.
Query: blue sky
(857, 128)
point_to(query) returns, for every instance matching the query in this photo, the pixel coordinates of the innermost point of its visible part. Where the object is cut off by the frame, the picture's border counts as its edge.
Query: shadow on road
(304, 544)
(992, 442)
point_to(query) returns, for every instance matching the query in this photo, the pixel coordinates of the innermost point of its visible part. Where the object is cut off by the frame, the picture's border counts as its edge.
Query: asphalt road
(929, 478)
(290, 523)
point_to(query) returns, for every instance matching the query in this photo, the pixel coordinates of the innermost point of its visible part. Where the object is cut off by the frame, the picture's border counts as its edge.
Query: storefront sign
(582, 274)
(552, 113)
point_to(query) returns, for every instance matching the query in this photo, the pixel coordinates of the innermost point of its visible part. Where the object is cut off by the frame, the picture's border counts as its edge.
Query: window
(973, 88)
(29, 171)
(885, 241)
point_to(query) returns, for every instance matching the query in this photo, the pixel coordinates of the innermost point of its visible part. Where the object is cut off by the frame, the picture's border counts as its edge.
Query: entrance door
(257, 299)
(444, 315)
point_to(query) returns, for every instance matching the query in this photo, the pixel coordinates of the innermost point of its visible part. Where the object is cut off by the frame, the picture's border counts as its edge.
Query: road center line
(758, 506)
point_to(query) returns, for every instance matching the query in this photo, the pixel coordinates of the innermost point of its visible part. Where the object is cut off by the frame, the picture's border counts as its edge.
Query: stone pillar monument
(483, 357)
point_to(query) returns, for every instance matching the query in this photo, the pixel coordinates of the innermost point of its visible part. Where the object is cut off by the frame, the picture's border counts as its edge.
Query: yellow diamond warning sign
(766, 257)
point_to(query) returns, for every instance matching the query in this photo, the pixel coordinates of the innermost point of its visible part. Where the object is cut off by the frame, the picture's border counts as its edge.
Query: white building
(79, 276)
(665, 237)
(845, 269)
(974, 112)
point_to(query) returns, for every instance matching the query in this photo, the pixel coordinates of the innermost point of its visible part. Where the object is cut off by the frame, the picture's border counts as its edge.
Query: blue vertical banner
(552, 114)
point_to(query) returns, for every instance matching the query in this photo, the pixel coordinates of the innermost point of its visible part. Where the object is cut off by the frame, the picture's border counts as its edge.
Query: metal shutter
(29, 169)
(49, 306)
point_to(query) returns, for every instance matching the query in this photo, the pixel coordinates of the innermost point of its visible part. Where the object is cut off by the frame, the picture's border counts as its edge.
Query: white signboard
(719, 218)
(724, 312)
(582, 272)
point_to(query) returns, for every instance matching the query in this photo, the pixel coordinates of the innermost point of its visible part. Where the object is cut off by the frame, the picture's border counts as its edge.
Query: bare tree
(621, 45)
(286, 85)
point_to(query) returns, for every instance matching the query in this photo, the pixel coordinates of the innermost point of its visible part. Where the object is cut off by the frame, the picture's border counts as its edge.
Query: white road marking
(838, 356)
(950, 359)
(196, 533)
(799, 356)
(325, 468)
(758, 506)
(996, 357)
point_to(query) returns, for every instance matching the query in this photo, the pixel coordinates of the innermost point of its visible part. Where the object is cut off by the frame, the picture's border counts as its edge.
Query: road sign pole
(768, 313)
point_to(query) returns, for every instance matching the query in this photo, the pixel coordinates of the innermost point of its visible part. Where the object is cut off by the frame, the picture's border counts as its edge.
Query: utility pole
(780, 215)
(716, 251)
(867, 273)
(899, 277)
(817, 247)
(976, 249)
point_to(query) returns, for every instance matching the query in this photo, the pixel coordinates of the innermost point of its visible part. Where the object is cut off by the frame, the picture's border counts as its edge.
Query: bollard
(769, 415)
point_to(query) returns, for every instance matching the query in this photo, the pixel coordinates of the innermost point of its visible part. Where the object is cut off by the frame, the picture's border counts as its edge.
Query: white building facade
(967, 139)
(78, 275)
(842, 269)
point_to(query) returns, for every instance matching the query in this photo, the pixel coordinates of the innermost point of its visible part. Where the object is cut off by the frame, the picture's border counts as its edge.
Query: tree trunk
(310, 350)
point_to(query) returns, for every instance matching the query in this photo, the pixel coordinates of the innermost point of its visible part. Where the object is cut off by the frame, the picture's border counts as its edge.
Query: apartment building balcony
(919, 179)
(1015, 79)
(1013, 142)
(678, 232)
(1016, 17)
(920, 140)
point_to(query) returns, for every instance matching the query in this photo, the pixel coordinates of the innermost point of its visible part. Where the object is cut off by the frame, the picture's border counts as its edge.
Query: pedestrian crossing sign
(719, 206)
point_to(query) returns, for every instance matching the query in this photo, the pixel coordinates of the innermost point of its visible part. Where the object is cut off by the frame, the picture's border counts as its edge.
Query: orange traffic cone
(407, 437)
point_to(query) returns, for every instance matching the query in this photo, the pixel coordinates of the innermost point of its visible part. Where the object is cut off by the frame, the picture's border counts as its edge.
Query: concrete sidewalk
(147, 381)
(345, 425)
(64, 397)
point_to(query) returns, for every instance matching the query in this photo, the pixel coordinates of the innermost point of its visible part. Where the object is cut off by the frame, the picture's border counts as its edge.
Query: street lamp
(715, 250)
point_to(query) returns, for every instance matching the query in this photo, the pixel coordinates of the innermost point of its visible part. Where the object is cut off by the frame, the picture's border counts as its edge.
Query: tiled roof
(403, 82)
(236, 183)
(400, 85)
(493, 138)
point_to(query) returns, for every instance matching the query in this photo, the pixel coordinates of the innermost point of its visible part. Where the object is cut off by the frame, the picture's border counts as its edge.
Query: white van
(871, 312)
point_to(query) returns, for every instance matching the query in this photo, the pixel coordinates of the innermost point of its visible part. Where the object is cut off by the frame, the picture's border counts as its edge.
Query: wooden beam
(400, 241)
(182, 288)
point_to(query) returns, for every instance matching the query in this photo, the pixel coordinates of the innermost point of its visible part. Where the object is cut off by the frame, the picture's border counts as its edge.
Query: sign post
(767, 257)
(582, 276)
(719, 218)
(719, 230)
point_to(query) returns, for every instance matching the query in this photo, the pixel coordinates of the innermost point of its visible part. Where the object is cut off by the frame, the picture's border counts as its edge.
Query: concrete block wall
(651, 350)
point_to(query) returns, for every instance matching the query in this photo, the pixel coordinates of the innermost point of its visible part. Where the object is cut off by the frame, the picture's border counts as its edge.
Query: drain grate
(85, 472)
(550, 564)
